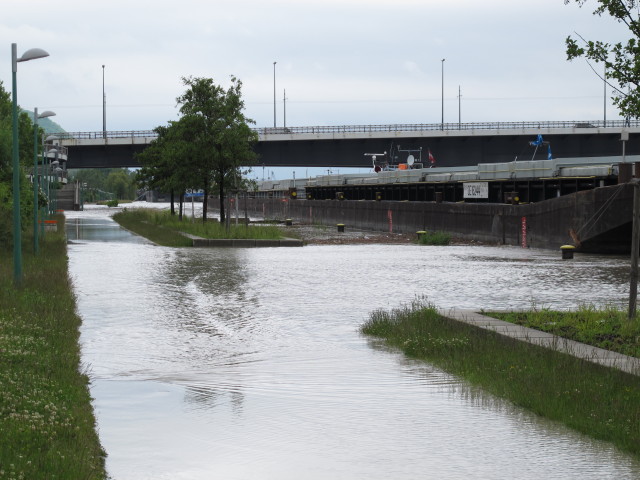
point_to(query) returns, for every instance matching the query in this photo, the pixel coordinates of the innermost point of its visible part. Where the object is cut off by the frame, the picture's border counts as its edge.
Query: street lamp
(30, 54)
(274, 94)
(104, 108)
(442, 124)
(36, 169)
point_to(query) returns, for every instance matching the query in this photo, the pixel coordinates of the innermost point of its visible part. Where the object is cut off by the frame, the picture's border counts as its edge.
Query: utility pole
(104, 108)
(284, 101)
(442, 124)
(459, 107)
(274, 94)
(635, 245)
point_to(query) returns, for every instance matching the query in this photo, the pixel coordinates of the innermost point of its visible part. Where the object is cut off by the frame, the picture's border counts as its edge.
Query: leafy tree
(120, 183)
(167, 162)
(219, 135)
(621, 60)
(25, 149)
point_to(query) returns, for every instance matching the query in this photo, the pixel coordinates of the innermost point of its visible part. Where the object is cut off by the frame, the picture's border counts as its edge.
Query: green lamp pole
(30, 54)
(36, 170)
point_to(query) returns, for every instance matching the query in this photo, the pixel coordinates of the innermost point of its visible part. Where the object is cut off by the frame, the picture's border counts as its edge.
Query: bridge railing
(397, 127)
(109, 134)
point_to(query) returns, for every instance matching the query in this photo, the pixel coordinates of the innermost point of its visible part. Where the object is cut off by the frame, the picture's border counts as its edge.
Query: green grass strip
(595, 400)
(163, 228)
(604, 327)
(46, 417)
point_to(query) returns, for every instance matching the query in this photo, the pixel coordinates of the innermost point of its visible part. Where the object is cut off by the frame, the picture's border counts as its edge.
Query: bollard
(50, 225)
(340, 227)
(288, 222)
(378, 196)
(567, 251)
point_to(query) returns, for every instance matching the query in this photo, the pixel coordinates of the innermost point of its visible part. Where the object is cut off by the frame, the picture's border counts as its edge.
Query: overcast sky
(342, 62)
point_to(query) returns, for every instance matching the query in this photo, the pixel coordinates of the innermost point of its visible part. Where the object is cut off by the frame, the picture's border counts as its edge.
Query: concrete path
(587, 352)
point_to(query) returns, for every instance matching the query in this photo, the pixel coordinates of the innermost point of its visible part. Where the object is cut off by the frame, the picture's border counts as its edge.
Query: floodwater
(248, 363)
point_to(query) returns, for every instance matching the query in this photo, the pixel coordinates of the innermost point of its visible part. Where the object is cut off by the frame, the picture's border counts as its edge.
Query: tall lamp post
(36, 170)
(274, 94)
(104, 108)
(30, 54)
(442, 124)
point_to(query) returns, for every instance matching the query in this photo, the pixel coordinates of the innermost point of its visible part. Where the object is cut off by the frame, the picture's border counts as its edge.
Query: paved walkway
(587, 352)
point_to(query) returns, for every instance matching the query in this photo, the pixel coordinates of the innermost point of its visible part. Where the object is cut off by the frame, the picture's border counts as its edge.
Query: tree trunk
(221, 185)
(173, 208)
(181, 203)
(204, 200)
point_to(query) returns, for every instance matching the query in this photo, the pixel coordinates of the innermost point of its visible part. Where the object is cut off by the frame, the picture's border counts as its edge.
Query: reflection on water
(241, 364)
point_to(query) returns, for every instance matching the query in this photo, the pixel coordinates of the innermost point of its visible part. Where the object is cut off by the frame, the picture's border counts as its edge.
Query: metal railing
(398, 127)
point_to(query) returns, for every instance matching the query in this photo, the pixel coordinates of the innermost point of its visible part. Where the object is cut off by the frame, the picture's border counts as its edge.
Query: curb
(586, 352)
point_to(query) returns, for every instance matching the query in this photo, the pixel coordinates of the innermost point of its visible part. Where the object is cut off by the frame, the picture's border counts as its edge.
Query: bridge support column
(624, 173)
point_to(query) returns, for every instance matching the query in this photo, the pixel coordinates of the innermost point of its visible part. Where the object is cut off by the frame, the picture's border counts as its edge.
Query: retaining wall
(595, 220)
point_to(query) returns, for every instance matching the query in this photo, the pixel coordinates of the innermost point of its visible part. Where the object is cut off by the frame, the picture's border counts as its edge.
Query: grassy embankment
(164, 229)
(606, 328)
(46, 417)
(598, 401)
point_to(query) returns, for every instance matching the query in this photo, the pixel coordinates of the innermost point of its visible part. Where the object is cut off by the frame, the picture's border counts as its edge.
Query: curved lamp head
(46, 113)
(32, 54)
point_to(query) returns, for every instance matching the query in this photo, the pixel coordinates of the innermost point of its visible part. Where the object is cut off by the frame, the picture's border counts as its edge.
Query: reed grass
(46, 419)
(163, 228)
(434, 238)
(605, 327)
(595, 400)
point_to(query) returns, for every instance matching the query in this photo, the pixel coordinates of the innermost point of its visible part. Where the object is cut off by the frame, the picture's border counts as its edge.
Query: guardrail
(399, 127)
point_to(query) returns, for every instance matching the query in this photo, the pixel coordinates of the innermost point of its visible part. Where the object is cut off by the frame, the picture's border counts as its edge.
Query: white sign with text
(476, 190)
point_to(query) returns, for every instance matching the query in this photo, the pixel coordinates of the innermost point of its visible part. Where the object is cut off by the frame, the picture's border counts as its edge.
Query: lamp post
(442, 124)
(274, 94)
(50, 150)
(284, 102)
(104, 108)
(30, 54)
(605, 94)
(36, 169)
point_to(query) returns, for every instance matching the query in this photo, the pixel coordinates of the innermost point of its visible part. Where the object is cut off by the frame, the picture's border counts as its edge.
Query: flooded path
(248, 364)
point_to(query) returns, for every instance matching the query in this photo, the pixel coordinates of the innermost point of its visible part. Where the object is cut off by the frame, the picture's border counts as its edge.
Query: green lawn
(163, 228)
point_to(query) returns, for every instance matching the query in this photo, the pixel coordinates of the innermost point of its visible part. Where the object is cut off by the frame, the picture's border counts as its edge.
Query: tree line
(205, 149)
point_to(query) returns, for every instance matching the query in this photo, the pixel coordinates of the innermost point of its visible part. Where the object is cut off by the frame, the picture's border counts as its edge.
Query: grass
(163, 228)
(605, 327)
(434, 238)
(46, 417)
(595, 400)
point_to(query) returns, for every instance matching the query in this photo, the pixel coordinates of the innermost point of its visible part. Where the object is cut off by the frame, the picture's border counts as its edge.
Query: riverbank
(165, 229)
(601, 402)
(46, 416)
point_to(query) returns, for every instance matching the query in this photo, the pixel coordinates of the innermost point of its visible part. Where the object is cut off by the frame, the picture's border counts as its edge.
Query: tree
(219, 136)
(25, 149)
(621, 60)
(167, 163)
(120, 183)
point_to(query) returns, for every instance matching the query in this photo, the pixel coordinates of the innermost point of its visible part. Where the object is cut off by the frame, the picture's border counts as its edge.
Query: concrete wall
(597, 218)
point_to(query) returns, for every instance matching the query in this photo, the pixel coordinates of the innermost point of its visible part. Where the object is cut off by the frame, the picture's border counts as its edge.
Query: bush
(434, 238)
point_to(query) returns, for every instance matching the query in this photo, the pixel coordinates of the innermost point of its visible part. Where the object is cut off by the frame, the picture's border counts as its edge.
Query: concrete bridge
(452, 144)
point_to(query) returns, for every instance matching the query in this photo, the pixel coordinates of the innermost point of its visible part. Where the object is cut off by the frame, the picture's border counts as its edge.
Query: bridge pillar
(624, 173)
